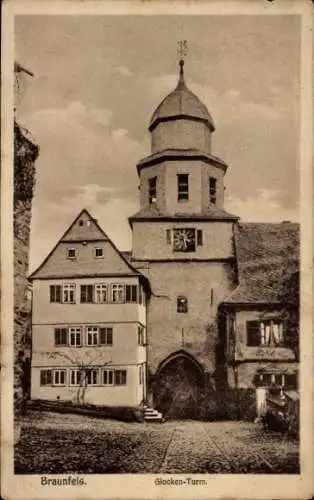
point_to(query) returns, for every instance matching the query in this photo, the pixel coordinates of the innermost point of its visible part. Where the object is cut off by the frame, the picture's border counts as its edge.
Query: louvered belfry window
(183, 187)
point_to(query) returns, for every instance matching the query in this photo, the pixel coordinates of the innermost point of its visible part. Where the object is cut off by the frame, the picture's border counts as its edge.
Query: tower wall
(181, 134)
(204, 284)
(167, 198)
(150, 241)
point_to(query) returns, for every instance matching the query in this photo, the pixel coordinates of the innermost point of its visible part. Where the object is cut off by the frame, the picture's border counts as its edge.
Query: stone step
(150, 411)
(152, 415)
(153, 418)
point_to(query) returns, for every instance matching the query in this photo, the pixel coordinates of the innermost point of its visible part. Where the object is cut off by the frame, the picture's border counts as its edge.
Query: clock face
(184, 240)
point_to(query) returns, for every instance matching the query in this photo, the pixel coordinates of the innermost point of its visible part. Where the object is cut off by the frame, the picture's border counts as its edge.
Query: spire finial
(182, 52)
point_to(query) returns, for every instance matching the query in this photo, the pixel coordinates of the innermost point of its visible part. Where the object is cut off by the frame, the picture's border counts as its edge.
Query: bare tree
(83, 361)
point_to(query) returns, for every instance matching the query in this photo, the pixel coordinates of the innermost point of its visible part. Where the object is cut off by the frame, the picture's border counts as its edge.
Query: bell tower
(182, 236)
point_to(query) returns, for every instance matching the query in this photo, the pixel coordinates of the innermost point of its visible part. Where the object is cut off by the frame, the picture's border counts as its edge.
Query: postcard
(157, 249)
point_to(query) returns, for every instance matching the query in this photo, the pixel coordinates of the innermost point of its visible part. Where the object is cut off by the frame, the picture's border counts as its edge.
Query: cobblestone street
(52, 443)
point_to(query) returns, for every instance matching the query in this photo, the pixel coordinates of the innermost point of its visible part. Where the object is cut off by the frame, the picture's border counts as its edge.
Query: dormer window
(152, 190)
(212, 190)
(183, 187)
(81, 223)
(71, 253)
(99, 252)
(182, 304)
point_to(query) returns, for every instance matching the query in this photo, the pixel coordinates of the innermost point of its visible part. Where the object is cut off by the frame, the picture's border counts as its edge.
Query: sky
(97, 81)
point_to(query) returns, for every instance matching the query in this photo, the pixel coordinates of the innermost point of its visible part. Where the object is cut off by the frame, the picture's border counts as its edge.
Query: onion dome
(181, 103)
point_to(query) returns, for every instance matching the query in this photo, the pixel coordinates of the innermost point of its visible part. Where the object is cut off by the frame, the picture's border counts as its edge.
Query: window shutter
(58, 293)
(131, 293)
(89, 293)
(106, 336)
(168, 235)
(199, 237)
(60, 336)
(86, 293)
(45, 377)
(253, 333)
(83, 293)
(55, 293)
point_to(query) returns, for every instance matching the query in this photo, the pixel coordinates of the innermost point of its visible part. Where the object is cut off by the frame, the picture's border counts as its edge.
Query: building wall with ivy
(25, 154)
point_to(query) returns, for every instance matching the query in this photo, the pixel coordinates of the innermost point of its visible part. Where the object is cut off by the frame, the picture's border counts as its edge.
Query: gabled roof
(83, 230)
(266, 254)
(151, 212)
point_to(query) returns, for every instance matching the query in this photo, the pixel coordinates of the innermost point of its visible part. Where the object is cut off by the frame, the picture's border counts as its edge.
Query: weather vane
(182, 49)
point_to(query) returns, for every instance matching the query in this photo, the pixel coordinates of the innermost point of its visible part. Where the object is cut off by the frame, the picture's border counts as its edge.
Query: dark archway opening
(179, 387)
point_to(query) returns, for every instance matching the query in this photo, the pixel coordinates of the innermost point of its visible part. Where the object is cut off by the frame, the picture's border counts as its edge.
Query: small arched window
(182, 304)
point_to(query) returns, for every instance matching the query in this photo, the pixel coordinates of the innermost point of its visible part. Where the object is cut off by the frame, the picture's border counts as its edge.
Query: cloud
(264, 207)
(107, 204)
(84, 161)
(123, 70)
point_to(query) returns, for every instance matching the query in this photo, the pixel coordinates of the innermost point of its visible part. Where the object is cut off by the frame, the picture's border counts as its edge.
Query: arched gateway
(179, 386)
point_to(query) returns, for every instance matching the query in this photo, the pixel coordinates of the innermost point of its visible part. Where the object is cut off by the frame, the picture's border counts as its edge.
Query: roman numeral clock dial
(184, 240)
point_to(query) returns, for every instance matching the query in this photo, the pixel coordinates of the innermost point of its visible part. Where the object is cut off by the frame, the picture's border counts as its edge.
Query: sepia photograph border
(137, 486)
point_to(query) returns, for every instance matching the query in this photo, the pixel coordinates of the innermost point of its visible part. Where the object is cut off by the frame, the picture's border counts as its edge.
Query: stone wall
(25, 154)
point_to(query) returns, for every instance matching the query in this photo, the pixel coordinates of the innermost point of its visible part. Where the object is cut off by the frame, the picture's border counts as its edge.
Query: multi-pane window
(99, 252)
(130, 293)
(183, 187)
(87, 294)
(61, 335)
(68, 293)
(92, 377)
(92, 335)
(55, 293)
(140, 335)
(59, 377)
(265, 333)
(101, 293)
(71, 253)
(182, 304)
(75, 377)
(286, 380)
(212, 190)
(106, 336)
(120, 377)
(75, 336)
(107, 377)
(152, 190)
(117, 293)
(45, 377)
